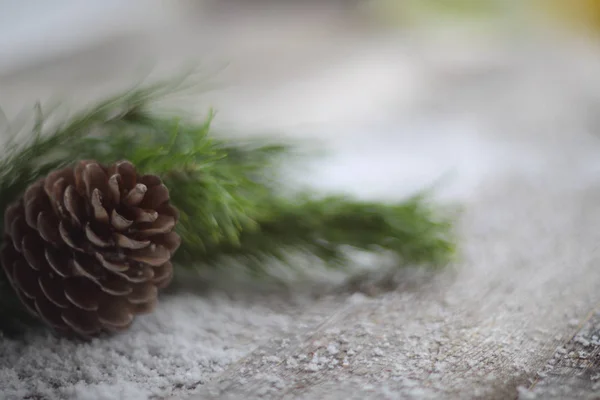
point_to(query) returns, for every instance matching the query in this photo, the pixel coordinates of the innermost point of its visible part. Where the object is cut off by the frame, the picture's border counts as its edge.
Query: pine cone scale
(82, 293)
(96, 181)
(119, 222)
(85, 324)
(142, 294)
(127, 173)
(87, 248)
(141, 216)
(115, 287)
(74, 205)
(155, 197)
(26, 279)
(18, 229)
(135, 196)
(99, 212)
(170, 240)
(162, 224)
(162, 272)
(75, 243)
(111, 265)
(95, 238)
(30, 248)
(49, 312)
(126, 242)
(35, 203)
(57, 197)
(116, 313)
(143, 273)
(47, 226)
(154, 256)
(146, 308)
(114, 187)
(28, 303)
(150, 180)
(60, 266)
(53, 290)
(11, 212)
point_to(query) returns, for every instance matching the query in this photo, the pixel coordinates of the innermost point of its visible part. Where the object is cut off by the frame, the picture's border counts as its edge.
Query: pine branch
(231, 206)
(325, 227)
(43, 151)
(229, 193)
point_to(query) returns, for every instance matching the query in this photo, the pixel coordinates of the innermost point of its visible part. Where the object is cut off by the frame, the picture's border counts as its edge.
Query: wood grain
(483, 330)
(574, 369)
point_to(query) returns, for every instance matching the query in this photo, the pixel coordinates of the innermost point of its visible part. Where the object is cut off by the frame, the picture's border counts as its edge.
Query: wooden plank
(574, 370)
(480, 331)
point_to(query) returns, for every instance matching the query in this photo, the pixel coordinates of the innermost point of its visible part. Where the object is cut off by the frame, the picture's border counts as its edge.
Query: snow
(188, 340)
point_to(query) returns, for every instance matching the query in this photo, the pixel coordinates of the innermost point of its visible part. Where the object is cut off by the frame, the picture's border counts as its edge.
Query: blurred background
(460, 87)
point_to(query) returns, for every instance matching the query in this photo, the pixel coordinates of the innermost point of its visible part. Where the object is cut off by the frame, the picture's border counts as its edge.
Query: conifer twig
(228, 192)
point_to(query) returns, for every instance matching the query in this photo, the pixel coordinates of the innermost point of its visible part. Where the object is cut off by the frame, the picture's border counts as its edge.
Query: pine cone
(87, 247)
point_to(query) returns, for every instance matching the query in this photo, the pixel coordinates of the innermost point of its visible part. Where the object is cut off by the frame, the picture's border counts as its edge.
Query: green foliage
(228, 192)
(326, 227)
(47, 148)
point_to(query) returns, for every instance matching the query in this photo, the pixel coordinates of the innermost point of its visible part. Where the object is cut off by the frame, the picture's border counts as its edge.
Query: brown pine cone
(87, 247)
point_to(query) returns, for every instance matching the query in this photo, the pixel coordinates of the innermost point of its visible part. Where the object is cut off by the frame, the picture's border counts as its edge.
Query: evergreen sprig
(228, 192)
(326, 227)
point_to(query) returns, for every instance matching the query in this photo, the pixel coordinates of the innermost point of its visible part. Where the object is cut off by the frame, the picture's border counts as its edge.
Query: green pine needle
(326, 227)
(228, 192)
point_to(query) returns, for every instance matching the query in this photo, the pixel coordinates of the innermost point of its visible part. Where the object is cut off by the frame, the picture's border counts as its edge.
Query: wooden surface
(574, 369)
(486, 331)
